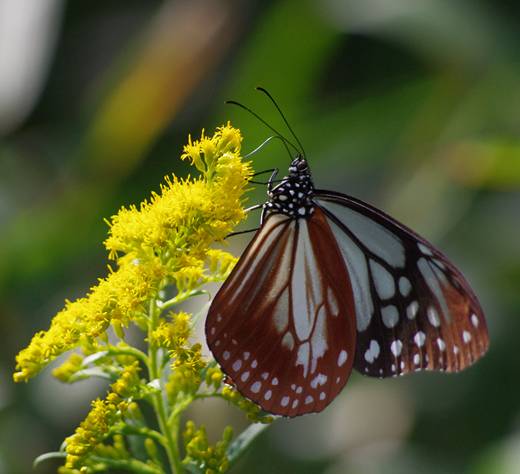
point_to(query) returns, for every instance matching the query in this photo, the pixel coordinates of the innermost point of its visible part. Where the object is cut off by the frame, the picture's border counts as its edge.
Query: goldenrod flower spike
(161, 247)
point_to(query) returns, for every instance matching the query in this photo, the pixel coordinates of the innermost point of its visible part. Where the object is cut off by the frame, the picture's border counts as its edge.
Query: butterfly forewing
(283, 326)
(414, 309)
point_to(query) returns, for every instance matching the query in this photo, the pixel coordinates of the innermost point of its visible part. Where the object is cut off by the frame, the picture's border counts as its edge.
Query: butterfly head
(299, 167)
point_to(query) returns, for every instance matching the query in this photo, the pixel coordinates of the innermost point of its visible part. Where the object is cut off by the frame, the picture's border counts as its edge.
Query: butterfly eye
(302, 165)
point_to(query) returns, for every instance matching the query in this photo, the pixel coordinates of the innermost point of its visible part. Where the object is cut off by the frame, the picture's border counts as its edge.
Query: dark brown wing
(282, 326)
(414, 308)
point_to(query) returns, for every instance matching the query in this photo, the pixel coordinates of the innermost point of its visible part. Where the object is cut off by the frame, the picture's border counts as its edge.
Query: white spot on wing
(404, 286)
(433, 316)
(333, 302)
(303, 357)
(411, 311)
(383, 280)
(390, 316)
(226, 355)
(396, 347)
(320, 379)
(342, 357)
(288, 341)
(466, 336)
(236, 365)
(308, 399)
(268, 394)
(419, 338)
(372, 352)
(441, 344)
(255, 388)
(474, 320)
(244, 376)
(285, 401)
(424, 250)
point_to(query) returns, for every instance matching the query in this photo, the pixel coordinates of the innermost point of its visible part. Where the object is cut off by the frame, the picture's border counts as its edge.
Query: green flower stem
(202, 396)
(142, 431)
(163, 305)
(170, 444)
(132, 465)
(129, 350)
(179, 408)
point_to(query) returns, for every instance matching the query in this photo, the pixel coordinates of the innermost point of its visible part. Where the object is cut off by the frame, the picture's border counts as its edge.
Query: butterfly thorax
(293, 195)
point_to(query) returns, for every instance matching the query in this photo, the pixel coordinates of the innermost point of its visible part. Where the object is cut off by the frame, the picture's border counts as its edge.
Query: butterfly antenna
(278, 134)
(265, 142)
(271, 98)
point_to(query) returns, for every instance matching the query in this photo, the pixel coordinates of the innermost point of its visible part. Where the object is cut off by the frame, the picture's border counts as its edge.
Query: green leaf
(244, 440)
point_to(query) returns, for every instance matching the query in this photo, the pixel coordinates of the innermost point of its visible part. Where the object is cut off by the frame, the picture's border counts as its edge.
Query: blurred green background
(413, 106)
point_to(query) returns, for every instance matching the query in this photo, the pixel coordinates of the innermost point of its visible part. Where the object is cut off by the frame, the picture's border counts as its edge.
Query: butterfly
(330, 283)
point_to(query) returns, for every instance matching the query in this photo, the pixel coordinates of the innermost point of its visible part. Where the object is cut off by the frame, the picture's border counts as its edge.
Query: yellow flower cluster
(119, 296)
(201, 455)
(103, 416)
(174, 334)
(166, 241)
(185, 376)
(182, 221)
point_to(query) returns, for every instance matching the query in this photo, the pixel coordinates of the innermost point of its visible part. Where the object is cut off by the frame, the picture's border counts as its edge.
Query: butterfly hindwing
(414, 309)
(282, 326)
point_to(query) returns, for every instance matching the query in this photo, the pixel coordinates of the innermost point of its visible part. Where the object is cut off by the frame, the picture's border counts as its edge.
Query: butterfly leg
(270, 181)
(241, 232)
(249, 209)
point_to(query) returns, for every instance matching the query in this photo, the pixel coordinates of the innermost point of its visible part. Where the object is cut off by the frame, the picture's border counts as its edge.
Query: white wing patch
(358, 272)
(309, 299)
(379, 240)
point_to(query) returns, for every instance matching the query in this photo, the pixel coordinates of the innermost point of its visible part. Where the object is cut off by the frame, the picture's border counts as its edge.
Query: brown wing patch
(282, 326)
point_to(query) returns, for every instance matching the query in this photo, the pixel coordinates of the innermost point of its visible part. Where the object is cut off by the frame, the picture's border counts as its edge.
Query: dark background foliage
(412, 106)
